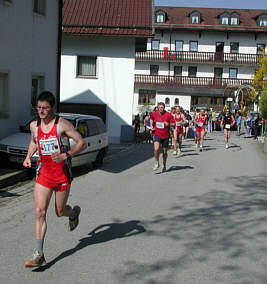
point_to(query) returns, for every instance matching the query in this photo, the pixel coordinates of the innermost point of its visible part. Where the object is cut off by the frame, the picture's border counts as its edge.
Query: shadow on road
(101, 234)
(230, 223)
(177, 168)
(129, 158)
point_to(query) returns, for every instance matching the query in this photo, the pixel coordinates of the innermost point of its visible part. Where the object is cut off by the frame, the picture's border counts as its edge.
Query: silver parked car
(93, 130)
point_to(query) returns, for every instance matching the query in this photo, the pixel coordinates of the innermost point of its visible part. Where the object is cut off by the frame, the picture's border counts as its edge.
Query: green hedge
(263, 104)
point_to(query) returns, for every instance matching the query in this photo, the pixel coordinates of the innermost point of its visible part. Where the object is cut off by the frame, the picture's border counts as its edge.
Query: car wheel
(99, 160)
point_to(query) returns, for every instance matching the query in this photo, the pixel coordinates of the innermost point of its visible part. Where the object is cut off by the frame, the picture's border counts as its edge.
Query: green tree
(259, 82)
(263, 104)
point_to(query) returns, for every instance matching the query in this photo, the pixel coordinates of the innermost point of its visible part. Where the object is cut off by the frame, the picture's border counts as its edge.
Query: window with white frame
(193, 45)
(224, 20)
(192, 71)
(234, 47)
(147, 97)
(233, 73)
(39, 6)
(37, 88)
(160, 18)
(154, 69)
(4, 97)
(195, 19)
(86, 66)
(176, 101)
(179, 45)
(178, 70)
(263, 22)
(167, 101)
(155, 44)
(234, 21)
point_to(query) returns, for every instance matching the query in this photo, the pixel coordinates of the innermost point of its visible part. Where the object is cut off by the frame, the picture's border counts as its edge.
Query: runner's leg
(175, 142)
(61, 198)
(42, 197)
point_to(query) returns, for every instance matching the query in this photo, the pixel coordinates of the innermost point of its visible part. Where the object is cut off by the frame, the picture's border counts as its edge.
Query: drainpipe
(59, 39)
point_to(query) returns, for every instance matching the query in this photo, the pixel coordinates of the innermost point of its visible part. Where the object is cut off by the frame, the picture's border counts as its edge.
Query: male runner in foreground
(162, 120)
(53, 171)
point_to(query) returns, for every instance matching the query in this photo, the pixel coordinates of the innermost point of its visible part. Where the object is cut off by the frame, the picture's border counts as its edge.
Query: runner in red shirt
(200, 120)
(160, 122)
(178, 131)
(53, 171)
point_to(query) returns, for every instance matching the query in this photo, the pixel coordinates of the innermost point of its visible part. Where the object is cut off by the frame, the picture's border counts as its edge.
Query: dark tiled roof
(108, 17)
(178, 18)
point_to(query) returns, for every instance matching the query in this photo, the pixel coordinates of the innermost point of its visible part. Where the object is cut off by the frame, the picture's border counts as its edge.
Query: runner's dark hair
(47, 96)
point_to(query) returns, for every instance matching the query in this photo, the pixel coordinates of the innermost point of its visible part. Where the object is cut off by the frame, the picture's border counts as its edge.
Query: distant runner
(178, 131)
(200, 120)
(228, 121)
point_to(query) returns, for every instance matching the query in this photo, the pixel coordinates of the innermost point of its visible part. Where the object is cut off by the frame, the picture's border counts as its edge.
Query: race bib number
(227, 126)
(49, 146)
(178, 123)
(200, 124)
(160, 125)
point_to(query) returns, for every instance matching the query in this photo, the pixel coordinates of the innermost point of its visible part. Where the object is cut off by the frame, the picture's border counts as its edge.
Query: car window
(101, 126)
(82, 128)
(93, 130)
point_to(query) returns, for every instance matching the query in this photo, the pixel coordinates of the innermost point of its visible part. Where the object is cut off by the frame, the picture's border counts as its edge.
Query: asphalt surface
(203, 221)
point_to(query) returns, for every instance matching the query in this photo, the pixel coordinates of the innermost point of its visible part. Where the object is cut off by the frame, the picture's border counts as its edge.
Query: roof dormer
(261, 20)
(234, 18)
(161, 16)
(224, 18)
(195, 17)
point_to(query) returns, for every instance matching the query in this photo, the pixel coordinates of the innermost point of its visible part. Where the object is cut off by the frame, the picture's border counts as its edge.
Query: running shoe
(36, 260)
(200, 149)
(74, 220)
(174, 153)
(156, 166)
(226, 146)
(179, 151)
(164, 169)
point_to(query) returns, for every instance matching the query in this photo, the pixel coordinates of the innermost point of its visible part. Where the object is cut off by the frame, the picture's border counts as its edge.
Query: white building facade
(28, 58)
(198, 57)
(111, 82)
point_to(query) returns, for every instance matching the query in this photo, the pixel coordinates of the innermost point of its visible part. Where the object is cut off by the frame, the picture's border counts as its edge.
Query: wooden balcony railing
(183, 81)
(198, 57)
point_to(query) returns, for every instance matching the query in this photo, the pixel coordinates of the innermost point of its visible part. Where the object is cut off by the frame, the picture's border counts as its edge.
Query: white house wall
(28, 47)
(114, 83)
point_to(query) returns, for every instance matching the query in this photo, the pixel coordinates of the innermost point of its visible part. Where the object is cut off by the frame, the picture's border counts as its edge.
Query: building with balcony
(29, 56)
(199, 56)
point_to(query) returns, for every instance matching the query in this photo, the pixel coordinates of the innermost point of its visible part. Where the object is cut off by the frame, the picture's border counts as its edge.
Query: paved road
(203, 221)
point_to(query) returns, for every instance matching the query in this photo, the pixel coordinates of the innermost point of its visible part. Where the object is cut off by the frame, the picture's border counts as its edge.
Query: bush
(263, 103)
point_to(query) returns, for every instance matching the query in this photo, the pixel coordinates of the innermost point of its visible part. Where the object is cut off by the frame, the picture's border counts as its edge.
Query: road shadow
(175, 168)
(101, 234)
(4, 194)
(129, 158)
(229, 221)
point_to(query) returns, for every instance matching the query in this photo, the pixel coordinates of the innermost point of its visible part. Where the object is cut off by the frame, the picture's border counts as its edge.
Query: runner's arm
(69, 130)
(31, 148)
